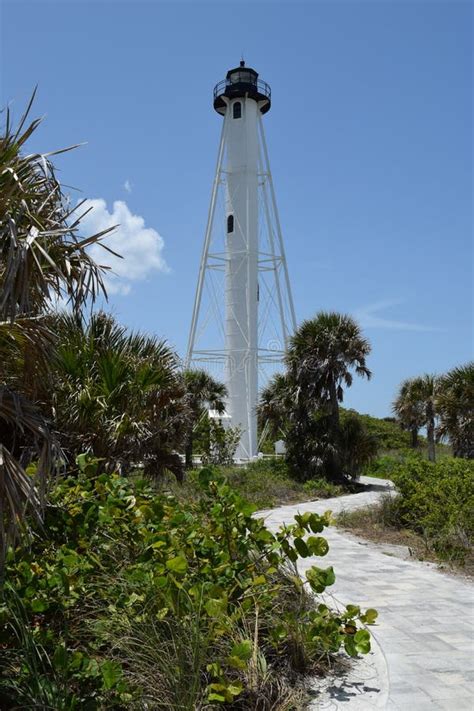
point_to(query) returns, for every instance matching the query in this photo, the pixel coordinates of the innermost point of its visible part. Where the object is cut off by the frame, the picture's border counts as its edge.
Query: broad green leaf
(362, 641)
(111, 673)
(316, 523)
(370, 616)
(178, 564)
(39, 605)
(320, 578)
(215, 608)
(350, 647)
(242, 650)
(301, 547)
(317, 545)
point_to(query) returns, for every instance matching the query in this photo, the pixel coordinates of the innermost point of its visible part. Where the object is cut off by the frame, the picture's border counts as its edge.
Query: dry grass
(380, 524)
(264, 483)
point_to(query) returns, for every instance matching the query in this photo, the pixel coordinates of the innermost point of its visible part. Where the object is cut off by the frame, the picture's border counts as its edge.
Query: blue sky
(370, 139)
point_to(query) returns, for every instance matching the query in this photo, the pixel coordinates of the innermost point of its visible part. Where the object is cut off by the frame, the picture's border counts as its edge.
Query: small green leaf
(320, 578)
(111, 673)
(215, 608)
(216, 697)
(39, 605)
(242, 650)
(235, 688)
(362, 641)
(317, 545)
(236, 662)
(301, 547)
(60, 657)
(370, 616)
(316, 523)
(178, 564)
(350, 647)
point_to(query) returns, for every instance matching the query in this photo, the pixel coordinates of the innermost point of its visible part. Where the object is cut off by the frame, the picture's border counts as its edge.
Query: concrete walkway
(424, 637)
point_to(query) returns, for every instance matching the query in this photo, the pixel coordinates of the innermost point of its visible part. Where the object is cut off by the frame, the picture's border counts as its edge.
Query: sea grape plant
(115, 556)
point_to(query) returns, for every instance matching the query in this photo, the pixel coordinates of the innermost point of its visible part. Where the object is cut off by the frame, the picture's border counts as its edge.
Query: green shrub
(437, 501)
(136, 600)
(388, 432)
(386, 465)
(265, 483)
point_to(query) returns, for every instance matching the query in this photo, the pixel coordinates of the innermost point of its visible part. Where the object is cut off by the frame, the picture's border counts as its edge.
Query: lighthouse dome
(242, 82)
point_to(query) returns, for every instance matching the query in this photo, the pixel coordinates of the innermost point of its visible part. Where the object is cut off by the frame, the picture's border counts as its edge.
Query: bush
(135, 600)
(437, 501)
(385, 466)
(388, 432)
(265, 483)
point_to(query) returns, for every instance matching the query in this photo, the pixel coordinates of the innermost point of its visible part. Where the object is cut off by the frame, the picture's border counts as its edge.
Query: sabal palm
(421, 396)
(118, 395)
(321, 356)
(41, 258)
(455, 404)
(409, 409)
(274, 406)
(202, 392)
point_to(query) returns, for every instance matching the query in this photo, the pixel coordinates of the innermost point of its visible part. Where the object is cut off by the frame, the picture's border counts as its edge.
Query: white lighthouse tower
(250, 312)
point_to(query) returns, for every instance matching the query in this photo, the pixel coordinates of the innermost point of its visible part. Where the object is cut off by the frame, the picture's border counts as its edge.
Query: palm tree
(417, 399)
(321, 356)
(203, 393)
(455, 404)
(409, 409)
(322, 353)
(427, 386)
(41, 258)
(274, 405)
(118, 395)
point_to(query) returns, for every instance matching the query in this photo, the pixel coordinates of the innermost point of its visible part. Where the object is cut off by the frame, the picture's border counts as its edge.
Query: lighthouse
(251, 309)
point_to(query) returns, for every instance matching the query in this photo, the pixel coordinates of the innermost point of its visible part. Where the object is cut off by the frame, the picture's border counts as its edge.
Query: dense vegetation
(115, 594)
(387, 431)
(264, 483)
(121, 589)
(444, 405)
(129, 599)
(302, 405)
(435, 501)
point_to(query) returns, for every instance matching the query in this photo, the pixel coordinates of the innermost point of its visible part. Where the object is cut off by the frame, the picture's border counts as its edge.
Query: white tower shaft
(241, 280)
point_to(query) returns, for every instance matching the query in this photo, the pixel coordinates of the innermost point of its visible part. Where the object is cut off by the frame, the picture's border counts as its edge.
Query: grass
(264, 483)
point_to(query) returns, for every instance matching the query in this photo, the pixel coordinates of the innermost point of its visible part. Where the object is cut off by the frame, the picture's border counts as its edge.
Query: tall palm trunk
(414, 437)
(334, 472)
(188, 452)
(334, 408)
(430, 432)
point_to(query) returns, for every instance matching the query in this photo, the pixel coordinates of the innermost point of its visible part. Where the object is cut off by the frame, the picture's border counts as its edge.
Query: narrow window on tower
(237, 110)
(230, 224)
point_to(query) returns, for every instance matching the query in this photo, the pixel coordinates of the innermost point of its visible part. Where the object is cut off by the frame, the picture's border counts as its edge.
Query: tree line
(444, 405)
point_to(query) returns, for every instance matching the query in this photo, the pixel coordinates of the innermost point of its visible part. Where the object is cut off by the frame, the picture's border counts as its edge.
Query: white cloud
(127, 186)
(140, 247)
(368, 317)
